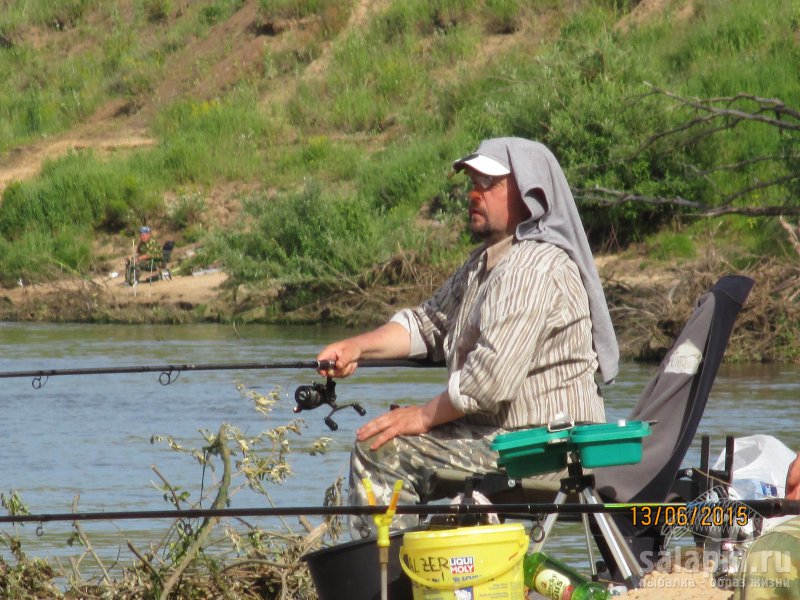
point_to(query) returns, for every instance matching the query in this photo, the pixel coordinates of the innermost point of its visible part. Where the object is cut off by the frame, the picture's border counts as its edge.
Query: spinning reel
(309, 397)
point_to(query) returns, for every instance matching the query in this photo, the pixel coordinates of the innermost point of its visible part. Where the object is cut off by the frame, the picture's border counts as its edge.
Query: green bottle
(554, 580)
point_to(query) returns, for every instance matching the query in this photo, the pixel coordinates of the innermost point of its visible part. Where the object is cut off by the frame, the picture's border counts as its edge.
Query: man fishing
(522, 326)
(149, 256)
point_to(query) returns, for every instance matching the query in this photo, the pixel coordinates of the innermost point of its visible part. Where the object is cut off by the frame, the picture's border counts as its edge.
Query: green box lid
(609, 432)
(532, 451)
(528, 440)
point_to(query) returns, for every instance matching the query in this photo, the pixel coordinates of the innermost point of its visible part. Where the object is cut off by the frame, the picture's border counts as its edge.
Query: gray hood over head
(555, 219)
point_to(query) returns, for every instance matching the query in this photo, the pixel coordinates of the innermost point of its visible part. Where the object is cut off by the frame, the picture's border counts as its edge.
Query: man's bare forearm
(387, 341)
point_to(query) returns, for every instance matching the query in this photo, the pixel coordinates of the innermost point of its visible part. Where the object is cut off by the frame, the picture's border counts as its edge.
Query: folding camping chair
(674, 401)
(166, 256)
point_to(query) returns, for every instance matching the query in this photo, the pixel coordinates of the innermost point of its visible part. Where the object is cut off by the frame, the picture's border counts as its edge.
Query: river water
(90, 436)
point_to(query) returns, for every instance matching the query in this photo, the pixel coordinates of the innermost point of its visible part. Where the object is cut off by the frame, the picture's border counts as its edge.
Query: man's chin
(479, 235)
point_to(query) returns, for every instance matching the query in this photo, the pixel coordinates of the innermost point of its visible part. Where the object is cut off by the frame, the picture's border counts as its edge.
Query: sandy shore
(679, 584)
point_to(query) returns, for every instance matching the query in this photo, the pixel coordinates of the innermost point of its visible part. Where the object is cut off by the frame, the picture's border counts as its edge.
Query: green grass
(207, 141)
(43, 253)
(385, 71)
(308, 233)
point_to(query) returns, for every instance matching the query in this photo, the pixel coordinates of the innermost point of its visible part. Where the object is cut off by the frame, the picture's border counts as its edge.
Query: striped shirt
(513, 326)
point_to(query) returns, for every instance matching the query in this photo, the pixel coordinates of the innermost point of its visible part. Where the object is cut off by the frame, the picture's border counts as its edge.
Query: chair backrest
(167, 251)
(676, 398)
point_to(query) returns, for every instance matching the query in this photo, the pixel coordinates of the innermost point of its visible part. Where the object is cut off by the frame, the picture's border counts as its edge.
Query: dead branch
(86, 543)
(759, 186)
(765, 105)
(221, 445)
(711, 116)
(610, 197)
(751, 211)
(792, 233)
(743, 163)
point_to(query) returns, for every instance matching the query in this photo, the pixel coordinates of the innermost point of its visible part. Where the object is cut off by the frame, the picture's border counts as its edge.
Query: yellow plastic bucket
(474, 563)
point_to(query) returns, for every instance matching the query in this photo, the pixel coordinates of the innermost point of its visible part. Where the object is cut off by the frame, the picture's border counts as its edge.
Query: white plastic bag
(760, 463)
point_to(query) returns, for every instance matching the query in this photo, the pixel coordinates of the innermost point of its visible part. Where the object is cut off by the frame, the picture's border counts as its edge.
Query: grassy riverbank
(303, 148)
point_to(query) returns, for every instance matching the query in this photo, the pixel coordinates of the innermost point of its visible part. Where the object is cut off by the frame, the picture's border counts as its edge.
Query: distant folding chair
(674, 401)
(166, 251)
(166, 257)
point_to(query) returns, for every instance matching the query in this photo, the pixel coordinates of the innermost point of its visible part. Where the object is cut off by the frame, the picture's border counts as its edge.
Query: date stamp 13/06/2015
(691, 516)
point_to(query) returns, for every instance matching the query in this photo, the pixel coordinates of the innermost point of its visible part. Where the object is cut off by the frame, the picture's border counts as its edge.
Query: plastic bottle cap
(618, 590)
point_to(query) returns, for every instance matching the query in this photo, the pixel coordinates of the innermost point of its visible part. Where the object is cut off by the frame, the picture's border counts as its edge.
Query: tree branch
(87, 544)
(221, 445)
(765, 105)
(609, 197)
(759, 186)
(792, 232)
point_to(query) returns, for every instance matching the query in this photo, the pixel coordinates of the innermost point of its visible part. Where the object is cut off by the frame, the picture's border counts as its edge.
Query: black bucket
(351, 570)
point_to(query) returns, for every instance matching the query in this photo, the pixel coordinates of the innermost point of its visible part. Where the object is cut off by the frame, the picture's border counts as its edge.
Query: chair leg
(610, 535)
(587, 532)
(645, 546)
(624, 557)
(131, 274)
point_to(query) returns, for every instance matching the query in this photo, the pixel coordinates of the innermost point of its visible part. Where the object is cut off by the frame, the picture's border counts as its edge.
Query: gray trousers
(414, 461)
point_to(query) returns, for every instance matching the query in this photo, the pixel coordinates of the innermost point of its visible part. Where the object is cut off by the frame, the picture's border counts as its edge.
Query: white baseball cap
(482, 164)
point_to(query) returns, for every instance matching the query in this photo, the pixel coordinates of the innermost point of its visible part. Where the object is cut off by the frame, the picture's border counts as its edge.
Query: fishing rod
(768, 507)
(168, 370)
(307, 397)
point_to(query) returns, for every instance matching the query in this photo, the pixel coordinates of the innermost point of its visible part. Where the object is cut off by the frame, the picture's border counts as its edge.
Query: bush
(77, 189)
(41, 253)
(308, 234)
(408, 176)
